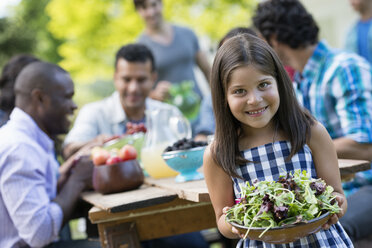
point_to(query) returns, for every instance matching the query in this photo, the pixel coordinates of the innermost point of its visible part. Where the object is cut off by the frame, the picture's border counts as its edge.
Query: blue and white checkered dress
(270, 164)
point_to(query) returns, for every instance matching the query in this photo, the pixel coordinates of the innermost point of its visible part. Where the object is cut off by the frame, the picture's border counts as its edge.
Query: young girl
(262, 133)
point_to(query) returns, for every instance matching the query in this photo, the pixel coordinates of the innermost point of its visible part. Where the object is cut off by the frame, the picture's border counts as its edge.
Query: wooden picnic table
(162, 207)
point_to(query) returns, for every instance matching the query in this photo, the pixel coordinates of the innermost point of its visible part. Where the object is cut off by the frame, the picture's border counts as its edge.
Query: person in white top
(134, 78)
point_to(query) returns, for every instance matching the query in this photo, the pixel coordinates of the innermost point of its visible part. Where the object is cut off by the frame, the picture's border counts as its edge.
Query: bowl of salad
(283, 211)
(284, 234)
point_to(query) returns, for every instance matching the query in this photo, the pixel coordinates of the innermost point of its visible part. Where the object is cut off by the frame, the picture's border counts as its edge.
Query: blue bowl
(186, 162)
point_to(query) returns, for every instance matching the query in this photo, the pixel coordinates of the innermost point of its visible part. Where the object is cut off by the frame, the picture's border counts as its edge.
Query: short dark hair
(135, 53)
(40, 74)
(8, 77)
(294, 121)
(140, 3)
(287, 21)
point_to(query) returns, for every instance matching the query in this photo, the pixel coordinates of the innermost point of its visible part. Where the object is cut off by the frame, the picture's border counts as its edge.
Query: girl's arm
(326, 165)
(220, 188)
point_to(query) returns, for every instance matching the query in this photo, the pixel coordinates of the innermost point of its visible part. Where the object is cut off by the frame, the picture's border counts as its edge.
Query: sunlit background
(83, 35)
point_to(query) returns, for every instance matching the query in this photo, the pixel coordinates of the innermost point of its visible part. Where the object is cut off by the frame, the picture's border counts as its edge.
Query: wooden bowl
(284, 234)
(118, 177)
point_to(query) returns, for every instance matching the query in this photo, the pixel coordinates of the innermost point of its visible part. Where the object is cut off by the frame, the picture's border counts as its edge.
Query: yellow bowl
(284, 234)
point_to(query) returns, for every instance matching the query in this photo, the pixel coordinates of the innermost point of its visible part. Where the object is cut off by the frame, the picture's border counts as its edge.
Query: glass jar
(164, 127)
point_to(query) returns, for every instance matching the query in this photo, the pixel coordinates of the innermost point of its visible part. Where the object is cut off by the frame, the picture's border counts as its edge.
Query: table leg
(123, 235)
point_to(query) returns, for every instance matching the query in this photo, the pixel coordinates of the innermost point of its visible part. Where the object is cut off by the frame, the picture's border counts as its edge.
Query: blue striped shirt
(28, 184)
(337, 89)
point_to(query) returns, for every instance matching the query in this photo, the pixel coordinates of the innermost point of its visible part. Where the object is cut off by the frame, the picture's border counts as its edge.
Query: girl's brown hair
(293, 120)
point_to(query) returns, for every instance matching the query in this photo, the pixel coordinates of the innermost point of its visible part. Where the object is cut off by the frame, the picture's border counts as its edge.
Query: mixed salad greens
(294, 198)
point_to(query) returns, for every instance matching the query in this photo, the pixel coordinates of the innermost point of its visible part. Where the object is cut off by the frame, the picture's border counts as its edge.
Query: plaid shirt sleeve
(352, 91)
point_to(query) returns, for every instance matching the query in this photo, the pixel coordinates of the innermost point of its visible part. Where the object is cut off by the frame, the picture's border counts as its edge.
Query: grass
(77, 228)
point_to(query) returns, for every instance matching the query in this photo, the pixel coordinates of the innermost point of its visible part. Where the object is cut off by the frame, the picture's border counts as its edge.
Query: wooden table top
(145, 196)
(351, 166)
(158, 191)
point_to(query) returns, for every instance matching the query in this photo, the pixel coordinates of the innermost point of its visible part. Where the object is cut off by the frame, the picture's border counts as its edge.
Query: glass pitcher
(164, 127)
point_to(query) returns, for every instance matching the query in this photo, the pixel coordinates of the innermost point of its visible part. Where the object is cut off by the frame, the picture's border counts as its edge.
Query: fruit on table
(113, 160)
(135, 128)
(102, 156)
(127, 152)
(184, 144)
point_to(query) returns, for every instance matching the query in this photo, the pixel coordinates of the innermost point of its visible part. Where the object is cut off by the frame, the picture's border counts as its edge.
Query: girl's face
(253, 97)
(151, 13)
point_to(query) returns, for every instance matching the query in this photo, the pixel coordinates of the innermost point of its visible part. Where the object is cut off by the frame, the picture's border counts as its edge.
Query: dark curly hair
(287, 21)
(8, 77)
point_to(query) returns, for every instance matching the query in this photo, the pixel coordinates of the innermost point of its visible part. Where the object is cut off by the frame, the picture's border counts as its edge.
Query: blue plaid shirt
(336, 87)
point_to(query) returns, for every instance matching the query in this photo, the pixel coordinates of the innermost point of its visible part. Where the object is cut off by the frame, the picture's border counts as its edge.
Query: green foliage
(14, 38)
(93, 30)
(83, 36)
(213, 18)
(25, 32)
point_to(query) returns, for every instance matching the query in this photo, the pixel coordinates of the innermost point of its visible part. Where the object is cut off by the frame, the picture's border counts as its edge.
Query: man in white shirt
(134, 79)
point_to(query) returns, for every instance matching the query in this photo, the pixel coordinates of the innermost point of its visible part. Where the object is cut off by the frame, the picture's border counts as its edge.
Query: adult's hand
(201, 137)
(79, 180)
(349, 149)
(82, 171)
(161, 91)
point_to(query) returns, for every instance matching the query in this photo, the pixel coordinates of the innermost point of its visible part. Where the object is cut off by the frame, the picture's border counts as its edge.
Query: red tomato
(127, 152)
(113, 160)
(99, 157)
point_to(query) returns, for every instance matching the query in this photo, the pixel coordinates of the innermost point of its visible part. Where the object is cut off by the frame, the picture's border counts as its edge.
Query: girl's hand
(233, 229)
(236, 231)
(225, 209)
(334, 217)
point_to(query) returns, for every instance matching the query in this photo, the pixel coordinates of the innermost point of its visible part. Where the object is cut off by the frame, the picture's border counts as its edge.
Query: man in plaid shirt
(335, 86)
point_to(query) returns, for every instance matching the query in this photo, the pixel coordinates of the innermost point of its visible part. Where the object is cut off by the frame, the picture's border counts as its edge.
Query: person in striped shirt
(37, 196)
(335, 86)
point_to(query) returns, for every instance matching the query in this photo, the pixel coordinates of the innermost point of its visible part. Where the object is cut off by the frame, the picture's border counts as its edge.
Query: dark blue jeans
(357, 220)
(188, 240)
(75, 244)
